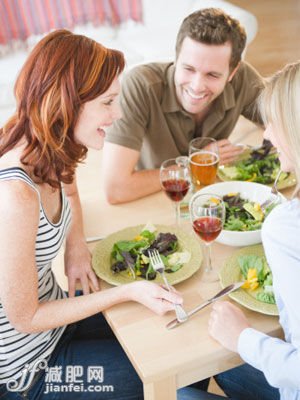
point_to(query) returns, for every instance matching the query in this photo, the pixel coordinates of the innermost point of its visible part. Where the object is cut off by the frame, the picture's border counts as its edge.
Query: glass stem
(208, 267)
(177, 212)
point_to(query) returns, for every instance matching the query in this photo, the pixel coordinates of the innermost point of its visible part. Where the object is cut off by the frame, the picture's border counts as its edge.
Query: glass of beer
(204, 161)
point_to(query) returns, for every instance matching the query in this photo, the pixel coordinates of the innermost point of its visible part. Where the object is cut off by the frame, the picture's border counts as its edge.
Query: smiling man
(166, 105)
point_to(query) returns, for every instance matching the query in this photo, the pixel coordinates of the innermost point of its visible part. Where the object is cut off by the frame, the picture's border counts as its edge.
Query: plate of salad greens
(261, 166)
(244, 216)
(249, 264)
(123, 256)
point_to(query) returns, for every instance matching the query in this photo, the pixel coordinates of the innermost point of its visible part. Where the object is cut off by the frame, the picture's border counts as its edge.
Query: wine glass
(175, 181)
(204, 160)
(207, 213)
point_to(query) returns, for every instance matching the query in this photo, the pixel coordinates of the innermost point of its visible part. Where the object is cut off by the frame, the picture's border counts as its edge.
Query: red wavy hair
(62, 72)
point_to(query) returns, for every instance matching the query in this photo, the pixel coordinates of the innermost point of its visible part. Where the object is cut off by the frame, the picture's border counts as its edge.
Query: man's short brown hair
(213, 26)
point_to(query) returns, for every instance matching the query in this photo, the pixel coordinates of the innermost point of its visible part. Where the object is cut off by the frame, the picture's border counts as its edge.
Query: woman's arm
(279, 360)
(19, 216)
(77, 255)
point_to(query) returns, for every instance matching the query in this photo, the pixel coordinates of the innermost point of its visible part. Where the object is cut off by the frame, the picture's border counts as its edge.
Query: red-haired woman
(67, 94)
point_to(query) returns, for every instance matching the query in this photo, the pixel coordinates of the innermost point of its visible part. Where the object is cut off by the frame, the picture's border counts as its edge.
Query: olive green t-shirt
(154, 123)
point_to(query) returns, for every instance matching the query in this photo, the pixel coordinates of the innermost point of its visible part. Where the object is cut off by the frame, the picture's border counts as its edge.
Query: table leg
(161, 390)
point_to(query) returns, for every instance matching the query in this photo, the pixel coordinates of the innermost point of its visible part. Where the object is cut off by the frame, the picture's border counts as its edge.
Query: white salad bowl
(249, 191)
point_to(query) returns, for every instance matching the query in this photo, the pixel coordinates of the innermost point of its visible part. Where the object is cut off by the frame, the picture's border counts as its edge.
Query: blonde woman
(278, 360)
(67, 95)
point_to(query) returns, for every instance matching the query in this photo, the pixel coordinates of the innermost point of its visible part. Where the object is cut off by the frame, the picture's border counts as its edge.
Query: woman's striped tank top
(18, 349)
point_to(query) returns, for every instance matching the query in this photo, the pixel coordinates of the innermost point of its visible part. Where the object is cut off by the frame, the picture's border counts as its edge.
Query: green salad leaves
(258, 277)
(242, 214)
(260, 166)
(132, 255)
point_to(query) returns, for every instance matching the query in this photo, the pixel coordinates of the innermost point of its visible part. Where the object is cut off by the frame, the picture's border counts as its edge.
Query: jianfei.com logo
(28, 373)
(76, 378)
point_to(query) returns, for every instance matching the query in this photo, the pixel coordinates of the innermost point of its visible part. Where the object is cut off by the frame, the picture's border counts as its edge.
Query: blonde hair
(279, 104)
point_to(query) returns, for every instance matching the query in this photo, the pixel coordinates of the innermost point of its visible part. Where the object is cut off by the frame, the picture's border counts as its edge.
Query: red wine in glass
(207, 212)
(175, 180)
(208, 228)
(176, 189)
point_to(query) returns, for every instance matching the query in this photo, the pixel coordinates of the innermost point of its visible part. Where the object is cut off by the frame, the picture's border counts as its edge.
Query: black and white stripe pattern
(18, 349)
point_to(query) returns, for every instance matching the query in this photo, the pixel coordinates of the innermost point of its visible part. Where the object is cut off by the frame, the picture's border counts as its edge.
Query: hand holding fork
(274, 194)
(159, 266)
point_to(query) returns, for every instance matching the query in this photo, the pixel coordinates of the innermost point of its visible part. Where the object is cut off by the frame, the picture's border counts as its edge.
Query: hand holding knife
(222, 293)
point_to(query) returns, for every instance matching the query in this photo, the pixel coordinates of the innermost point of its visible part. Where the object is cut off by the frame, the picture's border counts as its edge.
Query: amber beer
(204, 166)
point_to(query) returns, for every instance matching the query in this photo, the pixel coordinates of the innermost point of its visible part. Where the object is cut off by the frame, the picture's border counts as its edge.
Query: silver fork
(274, 194)
(159, 266)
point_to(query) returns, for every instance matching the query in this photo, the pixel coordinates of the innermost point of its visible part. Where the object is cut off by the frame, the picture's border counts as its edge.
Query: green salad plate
(287, 182)
(267, 168)
(101, 257)
(230, 273)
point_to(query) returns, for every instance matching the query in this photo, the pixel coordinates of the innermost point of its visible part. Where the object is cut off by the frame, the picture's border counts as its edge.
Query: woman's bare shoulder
(18, 196)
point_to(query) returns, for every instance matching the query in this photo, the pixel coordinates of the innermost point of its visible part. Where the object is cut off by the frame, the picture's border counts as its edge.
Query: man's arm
(254, 84)
(122, 149)
(122, 182)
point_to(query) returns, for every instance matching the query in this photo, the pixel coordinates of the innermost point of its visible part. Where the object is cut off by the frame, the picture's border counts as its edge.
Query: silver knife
(222, 293)
(94, 239)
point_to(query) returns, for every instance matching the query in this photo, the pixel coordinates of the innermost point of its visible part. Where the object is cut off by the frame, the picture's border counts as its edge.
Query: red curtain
(20, 19)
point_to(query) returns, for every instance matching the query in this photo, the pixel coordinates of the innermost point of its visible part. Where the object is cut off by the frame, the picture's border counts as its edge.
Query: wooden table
(166, 360)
